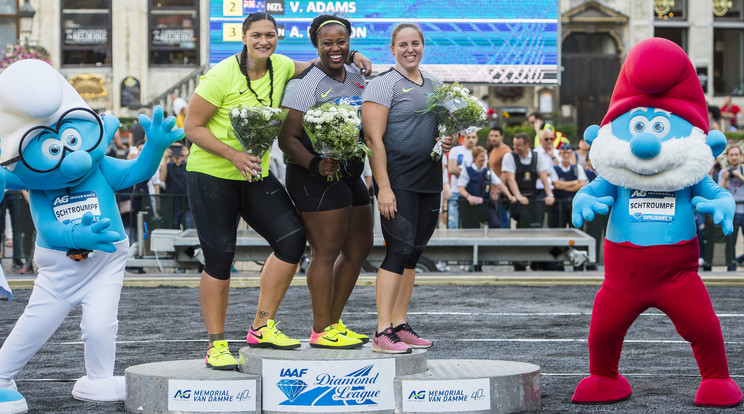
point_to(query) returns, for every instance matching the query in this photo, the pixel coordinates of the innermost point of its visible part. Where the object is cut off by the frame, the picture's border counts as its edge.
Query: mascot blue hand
(720, 210)
(160, 131)
(585, 206)
(94, 236)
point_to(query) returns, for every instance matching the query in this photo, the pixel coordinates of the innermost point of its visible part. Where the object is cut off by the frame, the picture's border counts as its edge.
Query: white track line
(720, 315)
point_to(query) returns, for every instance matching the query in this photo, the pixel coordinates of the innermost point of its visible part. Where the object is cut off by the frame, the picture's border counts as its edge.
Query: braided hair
(254, 17)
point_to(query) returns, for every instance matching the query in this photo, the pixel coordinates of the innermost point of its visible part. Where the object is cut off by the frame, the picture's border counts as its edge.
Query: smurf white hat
(179, 104)
(32, 93)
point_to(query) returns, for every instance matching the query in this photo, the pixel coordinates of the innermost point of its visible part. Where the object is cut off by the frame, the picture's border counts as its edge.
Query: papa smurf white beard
(681, 163)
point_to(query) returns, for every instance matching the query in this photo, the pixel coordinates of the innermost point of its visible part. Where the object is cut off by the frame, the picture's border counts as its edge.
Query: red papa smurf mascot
(653, 152)
(53, 144)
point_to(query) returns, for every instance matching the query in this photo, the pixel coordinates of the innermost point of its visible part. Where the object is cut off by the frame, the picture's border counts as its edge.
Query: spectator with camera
(173, 175)
(732, 179)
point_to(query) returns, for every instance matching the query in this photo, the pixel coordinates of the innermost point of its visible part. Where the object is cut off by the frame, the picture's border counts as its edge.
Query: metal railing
(183, 88)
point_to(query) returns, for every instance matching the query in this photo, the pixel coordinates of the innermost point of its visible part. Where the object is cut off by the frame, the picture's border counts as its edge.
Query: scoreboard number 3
(232, 32)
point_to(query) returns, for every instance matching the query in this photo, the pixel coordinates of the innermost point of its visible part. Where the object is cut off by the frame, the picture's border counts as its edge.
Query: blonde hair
(478, 150)
(733, 146)
(402, 26)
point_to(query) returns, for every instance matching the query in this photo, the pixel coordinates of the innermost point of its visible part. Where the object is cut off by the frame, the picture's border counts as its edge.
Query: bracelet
(351, 56)
(314, 165)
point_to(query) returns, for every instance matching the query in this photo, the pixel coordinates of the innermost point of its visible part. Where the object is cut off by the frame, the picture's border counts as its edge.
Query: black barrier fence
(536, 214)
(170, 211)
(159, 211)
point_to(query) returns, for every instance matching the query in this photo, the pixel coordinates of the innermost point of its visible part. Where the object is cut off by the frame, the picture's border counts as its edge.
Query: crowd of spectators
(484, 185)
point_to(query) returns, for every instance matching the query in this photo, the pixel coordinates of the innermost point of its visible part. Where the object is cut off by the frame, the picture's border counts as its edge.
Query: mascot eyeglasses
(51, 144)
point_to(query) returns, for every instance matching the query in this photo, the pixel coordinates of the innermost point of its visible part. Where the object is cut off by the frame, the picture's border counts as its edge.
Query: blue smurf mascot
(53, 144)
(653, 153)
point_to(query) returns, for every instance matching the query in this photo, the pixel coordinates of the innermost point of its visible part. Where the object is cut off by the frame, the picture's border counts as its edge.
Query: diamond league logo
(359, 388)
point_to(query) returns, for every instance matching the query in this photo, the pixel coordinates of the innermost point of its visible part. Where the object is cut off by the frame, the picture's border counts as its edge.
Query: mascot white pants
(62, 284)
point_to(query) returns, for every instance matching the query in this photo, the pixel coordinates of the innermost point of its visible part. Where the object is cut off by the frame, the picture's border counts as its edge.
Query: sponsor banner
(212, 396)
(651, 206)
(73, 206)
(326, 387)
(446, 395)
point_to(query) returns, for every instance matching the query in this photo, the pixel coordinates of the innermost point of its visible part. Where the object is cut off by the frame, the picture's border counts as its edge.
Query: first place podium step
(309, 380)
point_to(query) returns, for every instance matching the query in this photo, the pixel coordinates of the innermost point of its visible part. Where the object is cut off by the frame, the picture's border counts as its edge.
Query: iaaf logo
(359, 387)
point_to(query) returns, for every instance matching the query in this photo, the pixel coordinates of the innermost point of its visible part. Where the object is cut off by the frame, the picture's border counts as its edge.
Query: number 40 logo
(477, 395)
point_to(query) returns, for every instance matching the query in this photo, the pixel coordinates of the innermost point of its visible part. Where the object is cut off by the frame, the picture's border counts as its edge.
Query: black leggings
(216, 203)
(311, 193)
(407, 234)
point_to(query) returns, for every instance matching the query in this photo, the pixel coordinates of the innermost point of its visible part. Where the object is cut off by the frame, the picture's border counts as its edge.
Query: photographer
(173, 175)
(732, 179)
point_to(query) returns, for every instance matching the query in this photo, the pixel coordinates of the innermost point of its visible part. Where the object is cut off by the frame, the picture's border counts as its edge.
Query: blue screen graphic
(484, 41)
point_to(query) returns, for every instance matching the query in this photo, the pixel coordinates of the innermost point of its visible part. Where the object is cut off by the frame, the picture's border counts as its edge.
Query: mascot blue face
(646, 128)
(653, 149)
(63, 154)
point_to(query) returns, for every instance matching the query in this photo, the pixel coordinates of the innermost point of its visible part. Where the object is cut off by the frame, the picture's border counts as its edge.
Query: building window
(728, 52)
(8, 22)
(174, 32)
(677, 35)
(86, 32)
(666, 10)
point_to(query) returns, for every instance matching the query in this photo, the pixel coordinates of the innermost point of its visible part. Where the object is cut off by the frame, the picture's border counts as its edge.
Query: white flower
(235, 112)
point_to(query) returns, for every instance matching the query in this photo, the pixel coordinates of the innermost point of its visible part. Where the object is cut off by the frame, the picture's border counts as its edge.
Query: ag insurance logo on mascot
(53, 144)
(653, 152)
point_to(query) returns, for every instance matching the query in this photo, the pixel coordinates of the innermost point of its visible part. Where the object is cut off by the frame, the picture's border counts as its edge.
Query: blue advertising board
(482, 41)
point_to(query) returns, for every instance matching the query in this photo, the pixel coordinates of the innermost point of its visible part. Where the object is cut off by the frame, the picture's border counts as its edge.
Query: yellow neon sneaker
(219, 357)
(270, 337)
(349, 333)
(330, 338)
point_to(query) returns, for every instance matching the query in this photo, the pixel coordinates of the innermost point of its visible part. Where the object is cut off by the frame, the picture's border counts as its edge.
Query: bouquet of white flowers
(334, 132)
(458, 112)
(256, 127)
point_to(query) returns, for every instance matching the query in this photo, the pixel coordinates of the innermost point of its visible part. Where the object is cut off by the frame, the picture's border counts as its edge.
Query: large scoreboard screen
(483, 41)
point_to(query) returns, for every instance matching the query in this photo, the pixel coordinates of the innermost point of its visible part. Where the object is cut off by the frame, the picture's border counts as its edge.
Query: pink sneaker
(388, 342)
(410, 337)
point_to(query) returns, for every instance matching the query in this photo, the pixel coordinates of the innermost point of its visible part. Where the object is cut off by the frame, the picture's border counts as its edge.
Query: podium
(309, 380)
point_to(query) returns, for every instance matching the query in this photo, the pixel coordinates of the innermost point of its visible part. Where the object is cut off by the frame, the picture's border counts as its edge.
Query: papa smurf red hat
(658, 74)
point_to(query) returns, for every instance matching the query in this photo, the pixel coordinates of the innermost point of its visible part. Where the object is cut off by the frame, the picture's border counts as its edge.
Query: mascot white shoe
(53, 144)
(653, 152)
